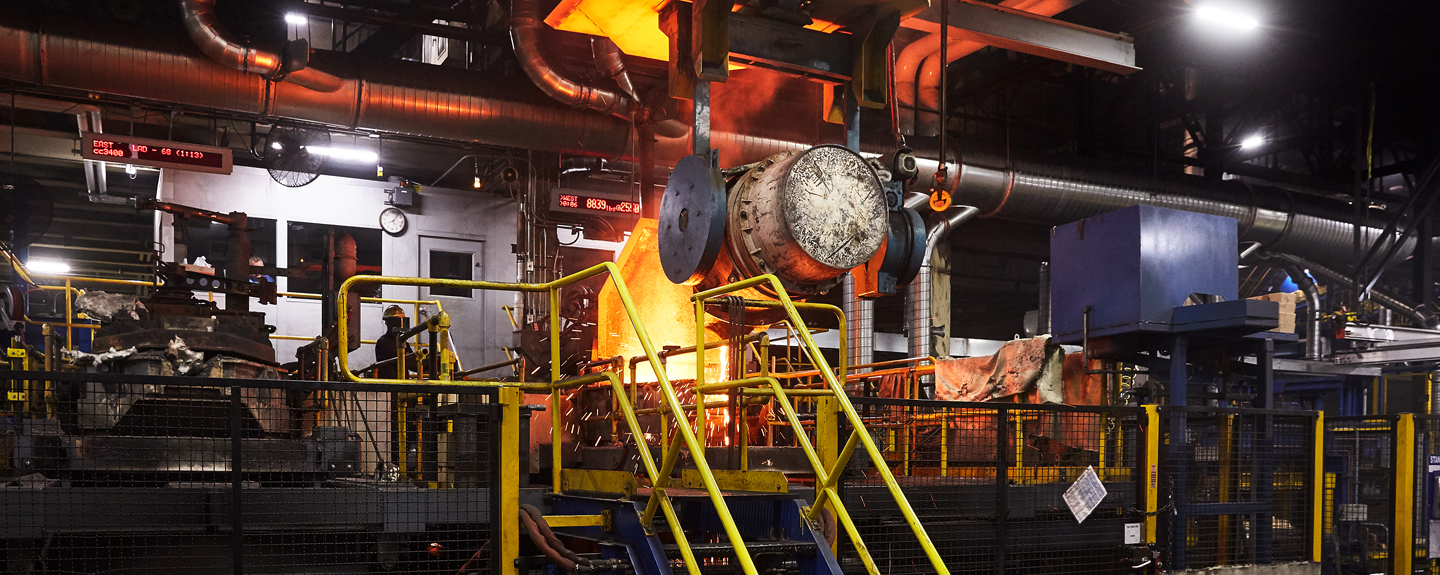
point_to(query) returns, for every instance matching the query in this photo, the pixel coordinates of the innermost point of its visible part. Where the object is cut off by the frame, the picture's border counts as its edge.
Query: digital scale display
(155, 153)
(592, 203)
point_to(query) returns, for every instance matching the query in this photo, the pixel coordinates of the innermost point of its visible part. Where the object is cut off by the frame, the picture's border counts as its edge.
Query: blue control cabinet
(1134, 266)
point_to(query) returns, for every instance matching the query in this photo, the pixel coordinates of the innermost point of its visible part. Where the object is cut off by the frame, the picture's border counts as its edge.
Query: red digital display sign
(593, 203)
(598, 204)
(155, 153)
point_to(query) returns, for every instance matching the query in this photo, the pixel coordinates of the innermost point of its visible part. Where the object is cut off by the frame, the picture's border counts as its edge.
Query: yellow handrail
(671, 399)
(876, 457)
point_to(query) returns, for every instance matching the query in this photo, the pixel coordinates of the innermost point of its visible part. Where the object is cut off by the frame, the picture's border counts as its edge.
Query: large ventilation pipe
(376, 94)
(918, 315)
(220, 46)
(525, 25)
(1054, 195)
(430, 101)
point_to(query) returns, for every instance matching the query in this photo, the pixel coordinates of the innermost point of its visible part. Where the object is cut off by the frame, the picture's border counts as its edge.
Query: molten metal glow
(665, 309)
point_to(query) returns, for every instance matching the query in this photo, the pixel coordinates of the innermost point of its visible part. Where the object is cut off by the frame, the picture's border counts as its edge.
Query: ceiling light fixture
(48, 267)
(1227, 17)
(294, 19)
(345, 154)
(1252, 142)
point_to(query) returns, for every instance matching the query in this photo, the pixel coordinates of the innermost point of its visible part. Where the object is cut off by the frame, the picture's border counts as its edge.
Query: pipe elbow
(212, 39)
(525, 24)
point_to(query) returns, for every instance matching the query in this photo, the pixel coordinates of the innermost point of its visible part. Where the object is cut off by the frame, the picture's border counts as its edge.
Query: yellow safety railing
(70, 292)
(658, 478)
(826, 479)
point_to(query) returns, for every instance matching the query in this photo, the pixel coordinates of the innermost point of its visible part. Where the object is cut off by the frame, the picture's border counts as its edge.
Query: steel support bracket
(1036, 35)
(710, 39)
(675, 23)
(870, 73)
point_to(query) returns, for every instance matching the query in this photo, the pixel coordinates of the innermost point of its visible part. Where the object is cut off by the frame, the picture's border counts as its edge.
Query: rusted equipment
(806, 216)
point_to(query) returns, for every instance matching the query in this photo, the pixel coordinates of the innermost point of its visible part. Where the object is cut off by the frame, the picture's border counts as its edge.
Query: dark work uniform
(385, 349)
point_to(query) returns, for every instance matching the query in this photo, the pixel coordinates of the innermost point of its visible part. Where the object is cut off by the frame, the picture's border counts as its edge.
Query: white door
(460, 259)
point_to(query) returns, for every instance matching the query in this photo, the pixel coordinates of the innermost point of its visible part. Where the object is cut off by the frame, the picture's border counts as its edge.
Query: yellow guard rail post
(1317, 496)
(825, 481)
(669, 396)
(1402, 530)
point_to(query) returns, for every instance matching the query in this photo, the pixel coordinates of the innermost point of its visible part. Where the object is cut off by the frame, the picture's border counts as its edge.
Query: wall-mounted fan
(25, 210)
(288, 154)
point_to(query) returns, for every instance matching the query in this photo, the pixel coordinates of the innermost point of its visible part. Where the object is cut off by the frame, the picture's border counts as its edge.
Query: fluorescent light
(48, 267)
(294, 19)
(1252, 142)
(345, 154)
(1227, 17)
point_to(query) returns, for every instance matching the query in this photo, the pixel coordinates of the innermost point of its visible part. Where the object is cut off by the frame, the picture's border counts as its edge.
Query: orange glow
(665, 309)
(634, 25)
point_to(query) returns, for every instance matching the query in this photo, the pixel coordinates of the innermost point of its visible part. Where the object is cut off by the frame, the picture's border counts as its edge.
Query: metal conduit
(1417, 314)
(918, 318)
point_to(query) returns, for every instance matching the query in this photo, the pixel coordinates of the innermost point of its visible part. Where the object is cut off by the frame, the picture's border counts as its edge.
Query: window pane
(211, 241)
(306, 243)
(451, 266)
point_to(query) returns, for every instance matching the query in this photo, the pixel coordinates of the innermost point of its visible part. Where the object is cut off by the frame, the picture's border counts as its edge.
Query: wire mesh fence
(987, 481)
(1427, 493)
(109, 473)
(1236, 485)
(1360, 476)
(1364, 499)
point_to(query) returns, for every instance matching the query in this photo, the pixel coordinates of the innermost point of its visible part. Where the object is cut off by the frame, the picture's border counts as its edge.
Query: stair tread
(686, 492)
(751, 546)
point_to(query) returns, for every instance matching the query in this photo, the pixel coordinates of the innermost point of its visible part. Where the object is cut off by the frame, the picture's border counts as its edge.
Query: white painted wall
(343, 201)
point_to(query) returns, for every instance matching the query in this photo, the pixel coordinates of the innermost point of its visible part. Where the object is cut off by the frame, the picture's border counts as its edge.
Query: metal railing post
(1002, 487)
(508, 526)
(1317, 491)
(237, 520)
(1152, 481)
(1402, 530)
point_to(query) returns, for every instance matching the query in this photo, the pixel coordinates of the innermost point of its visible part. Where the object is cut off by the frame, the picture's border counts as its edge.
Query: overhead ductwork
(423, 100)
(217, 43)
(375, 94)
(1053, 195)
(525, 25)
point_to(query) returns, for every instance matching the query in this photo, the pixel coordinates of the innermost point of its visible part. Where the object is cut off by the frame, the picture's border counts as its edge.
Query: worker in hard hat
(386, 345)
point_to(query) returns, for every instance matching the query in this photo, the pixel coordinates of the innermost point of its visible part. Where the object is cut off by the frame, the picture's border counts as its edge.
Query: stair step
(754, 547)
(687, 493)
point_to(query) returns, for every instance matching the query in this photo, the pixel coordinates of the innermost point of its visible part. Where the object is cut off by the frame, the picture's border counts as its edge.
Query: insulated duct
(860, 317)
(375, 94)
(430, 101)
(525, 25)
(1051, 195)
(1054, 195)
(217, 43)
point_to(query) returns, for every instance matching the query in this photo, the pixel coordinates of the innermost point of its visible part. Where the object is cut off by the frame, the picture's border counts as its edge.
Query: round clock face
(392, 220)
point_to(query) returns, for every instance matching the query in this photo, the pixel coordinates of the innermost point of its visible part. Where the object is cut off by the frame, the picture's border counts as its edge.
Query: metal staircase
(771, 527)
